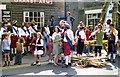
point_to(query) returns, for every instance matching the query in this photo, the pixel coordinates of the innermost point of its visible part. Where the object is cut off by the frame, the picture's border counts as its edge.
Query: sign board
(39, 2)
(6, 15)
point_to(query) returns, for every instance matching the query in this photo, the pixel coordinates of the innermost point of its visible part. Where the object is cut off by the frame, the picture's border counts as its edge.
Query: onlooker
(19, 48)
(56, 44)
(50, 50)
(6, 49)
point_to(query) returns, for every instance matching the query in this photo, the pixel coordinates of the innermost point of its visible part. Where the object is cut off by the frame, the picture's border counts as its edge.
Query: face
(86, 28)
(6, 37)
(38, 36)
(5, 25)
(56, 29)
(18, 40)
(68, 14)
(23, 24)
(110, 27)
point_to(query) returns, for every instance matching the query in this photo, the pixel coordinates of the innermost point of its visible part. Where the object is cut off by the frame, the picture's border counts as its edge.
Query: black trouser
(80, 46)
(98, 49)
(18, 58)
(111, 44)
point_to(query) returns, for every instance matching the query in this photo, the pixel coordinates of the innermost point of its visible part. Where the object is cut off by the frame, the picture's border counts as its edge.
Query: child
(39, 49)
(19, 48)
(50, 50)
(6, 49)
(34, 36)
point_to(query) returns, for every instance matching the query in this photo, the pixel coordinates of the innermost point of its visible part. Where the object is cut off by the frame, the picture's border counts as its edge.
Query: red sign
(41, 2)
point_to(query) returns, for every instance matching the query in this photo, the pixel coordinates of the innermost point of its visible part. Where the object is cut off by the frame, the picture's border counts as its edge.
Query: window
(37, 16)
(93, 19)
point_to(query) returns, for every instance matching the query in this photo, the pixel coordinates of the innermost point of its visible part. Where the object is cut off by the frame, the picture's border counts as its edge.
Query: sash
(23, 29)
(34, 29)
(68, 39)
(14, 29)
(45, 35)
(5, 28)
(28, 31)
(78, 32)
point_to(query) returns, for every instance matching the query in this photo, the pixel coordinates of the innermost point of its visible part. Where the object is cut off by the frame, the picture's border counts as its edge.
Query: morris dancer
(23, 34)
(29, 36)
(112, 43)
(14, 37)
(68, 39)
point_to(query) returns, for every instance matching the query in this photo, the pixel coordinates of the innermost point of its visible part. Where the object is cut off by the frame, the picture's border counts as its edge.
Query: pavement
(48, 69)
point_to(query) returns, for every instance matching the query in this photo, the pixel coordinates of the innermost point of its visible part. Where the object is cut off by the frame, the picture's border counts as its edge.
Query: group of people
(53, 41)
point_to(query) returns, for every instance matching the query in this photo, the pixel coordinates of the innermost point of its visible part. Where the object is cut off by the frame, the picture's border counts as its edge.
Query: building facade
(28, 11)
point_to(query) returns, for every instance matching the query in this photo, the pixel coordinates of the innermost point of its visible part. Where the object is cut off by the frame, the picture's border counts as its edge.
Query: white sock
(15, 50)
(28, 48)
(69, 59)
(114, 56)
(109, 56)
(11, 50)
(34, 63)
(66, 60)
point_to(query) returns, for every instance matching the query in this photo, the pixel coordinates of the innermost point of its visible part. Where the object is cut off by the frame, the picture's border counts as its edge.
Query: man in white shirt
(23, 33)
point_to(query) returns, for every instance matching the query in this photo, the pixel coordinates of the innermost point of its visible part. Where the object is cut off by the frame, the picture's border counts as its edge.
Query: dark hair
(112, 25)
(58, 28)
(21, 39)
(35, 34)
(45, 25)
(51, 17)
(43, 29)
(82, 28)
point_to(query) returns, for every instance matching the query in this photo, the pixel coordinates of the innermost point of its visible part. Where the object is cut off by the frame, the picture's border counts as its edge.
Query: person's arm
(73, 19)
(62, 18)
(2, 45)
(72, 36)
(41, 41)
(116, 36)
(84, 36)
(92, 34)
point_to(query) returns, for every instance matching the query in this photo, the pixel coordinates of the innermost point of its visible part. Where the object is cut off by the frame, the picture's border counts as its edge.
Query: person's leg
(16, 58)
(66, 60)
(35, 59)
(55, 59)
(100, 48)
(5, 59)
(20, 57)
(109, 51)
(39, 60)
(96, 48)
(8, 59)
(69, 59)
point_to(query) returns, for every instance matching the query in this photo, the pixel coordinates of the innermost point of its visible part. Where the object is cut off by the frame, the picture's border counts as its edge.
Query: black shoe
(4, 65)
(70, 64)
(59, 61)
(113, 61)
(15, 63)
(65, 66)
(108, 60)
(19, 64)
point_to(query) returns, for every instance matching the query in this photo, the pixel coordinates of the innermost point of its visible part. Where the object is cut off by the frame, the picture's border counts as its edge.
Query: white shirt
(14, 30)
(55, 34)
(47, 30)
(2, 31)
(70, 35)
(82, 34)
(32, 30)
(21, 32)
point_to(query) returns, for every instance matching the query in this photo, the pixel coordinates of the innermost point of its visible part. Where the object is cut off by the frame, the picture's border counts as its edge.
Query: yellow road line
(19, 66)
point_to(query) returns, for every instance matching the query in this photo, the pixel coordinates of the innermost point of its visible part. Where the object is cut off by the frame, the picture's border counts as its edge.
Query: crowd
(53, 40)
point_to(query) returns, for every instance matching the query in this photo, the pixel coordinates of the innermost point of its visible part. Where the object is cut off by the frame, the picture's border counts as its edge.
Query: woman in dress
(56, 44)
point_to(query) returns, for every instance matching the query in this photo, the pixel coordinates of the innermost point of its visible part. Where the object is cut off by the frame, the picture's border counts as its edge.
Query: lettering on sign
(41, 2)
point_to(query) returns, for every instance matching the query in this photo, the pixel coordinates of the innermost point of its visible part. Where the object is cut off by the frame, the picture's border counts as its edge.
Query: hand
(3, 51)
(115, 43)
(72, 43)
(58, 16)
(89, 36)
(36, 45)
